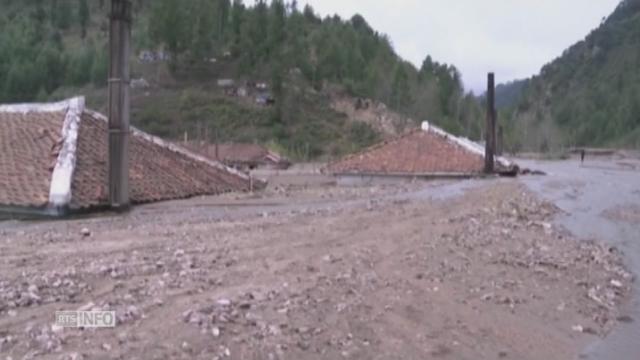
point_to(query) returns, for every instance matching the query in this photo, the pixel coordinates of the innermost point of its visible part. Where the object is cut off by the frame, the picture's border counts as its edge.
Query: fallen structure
(243, 157)
(428, 152)
(54, 162)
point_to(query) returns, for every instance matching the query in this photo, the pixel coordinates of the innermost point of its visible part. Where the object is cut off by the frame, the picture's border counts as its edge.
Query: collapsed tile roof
(428, 151)
(238, 153)
(54, 158)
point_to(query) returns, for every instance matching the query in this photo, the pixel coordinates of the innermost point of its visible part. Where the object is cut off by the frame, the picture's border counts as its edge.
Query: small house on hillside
(244, 157)
(53, 161)
(226, 83)
(428, 152)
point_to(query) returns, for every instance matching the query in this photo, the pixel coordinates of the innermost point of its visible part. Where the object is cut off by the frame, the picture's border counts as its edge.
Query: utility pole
(490, 132)
(119, 103)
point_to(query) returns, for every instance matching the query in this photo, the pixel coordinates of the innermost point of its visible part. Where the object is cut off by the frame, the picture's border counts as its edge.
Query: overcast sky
(514, 38)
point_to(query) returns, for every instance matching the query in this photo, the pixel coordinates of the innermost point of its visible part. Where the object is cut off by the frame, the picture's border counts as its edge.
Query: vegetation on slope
(589, 96)
(55, 48)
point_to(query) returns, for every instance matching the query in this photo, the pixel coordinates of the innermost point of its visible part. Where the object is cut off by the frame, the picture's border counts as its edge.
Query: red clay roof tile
(419, 152)
(30, 140)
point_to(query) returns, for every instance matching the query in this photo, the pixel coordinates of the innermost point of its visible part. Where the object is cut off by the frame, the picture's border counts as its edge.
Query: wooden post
(119, 103)
(490, 132)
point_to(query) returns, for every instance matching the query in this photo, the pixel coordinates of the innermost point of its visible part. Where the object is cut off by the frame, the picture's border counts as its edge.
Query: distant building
(244, 157)
(150, 56)
(53, 162)
(265, 100)
(140, 84)
(242, 91)
(226, 83)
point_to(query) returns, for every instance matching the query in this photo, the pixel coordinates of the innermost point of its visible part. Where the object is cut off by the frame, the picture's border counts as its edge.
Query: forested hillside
(589, 96)
(510, 93)
(52, 49)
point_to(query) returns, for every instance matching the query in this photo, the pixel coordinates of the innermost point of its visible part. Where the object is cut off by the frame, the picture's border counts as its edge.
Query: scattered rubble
(451, 278)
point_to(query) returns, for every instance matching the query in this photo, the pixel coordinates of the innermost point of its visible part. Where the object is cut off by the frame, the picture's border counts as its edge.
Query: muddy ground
(599, 200)
(314, 273)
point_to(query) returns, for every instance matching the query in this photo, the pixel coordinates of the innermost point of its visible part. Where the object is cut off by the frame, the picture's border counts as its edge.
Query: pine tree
(83, 16)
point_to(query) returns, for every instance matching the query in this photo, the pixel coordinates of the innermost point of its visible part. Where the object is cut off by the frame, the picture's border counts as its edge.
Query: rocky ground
(479, 276)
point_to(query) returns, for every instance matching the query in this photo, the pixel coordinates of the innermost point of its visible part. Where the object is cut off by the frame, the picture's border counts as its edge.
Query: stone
(57, 329)
(227, 352)
(616, 284)
(215, 331)
(578, 328)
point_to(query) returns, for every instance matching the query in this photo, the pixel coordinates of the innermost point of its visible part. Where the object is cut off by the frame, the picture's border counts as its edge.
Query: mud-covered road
(472, 270)
(600, 199)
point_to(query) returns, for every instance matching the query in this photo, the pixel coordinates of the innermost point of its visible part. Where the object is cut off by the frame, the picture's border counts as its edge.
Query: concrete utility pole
(490, 137)
(119, 103)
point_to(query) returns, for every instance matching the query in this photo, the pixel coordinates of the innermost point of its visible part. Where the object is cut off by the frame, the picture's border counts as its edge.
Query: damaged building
(428, 152)
(54, 162)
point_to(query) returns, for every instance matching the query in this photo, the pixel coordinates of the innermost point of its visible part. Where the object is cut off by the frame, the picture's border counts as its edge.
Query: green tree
(83, 16)
(237, 20)
(277, 24)
(203, 33)
(223, 12)
(169, 26)
(50, 61)
(62, 14)
(400, 91)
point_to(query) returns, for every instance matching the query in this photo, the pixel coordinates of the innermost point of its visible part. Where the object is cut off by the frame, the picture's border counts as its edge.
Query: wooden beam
(119, 103)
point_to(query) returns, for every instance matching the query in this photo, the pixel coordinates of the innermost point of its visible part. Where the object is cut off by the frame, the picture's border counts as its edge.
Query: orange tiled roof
(423, 151)
(36, 142)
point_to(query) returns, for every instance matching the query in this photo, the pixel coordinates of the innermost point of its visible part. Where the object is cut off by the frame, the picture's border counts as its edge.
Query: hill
(49, 50)
(509, 94)
(589, 96)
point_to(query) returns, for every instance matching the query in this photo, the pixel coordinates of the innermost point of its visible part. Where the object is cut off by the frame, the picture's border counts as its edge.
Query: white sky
(514, 38)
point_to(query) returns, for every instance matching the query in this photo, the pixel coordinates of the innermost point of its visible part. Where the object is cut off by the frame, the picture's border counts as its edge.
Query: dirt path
(478, 276)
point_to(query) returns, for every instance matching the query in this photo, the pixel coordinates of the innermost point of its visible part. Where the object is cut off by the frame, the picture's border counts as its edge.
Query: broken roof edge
(62, 176)
(465, 143)
(39, 107)
(174, 148)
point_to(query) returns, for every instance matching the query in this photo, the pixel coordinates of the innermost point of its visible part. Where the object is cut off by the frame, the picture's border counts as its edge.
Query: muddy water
(585, 192)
